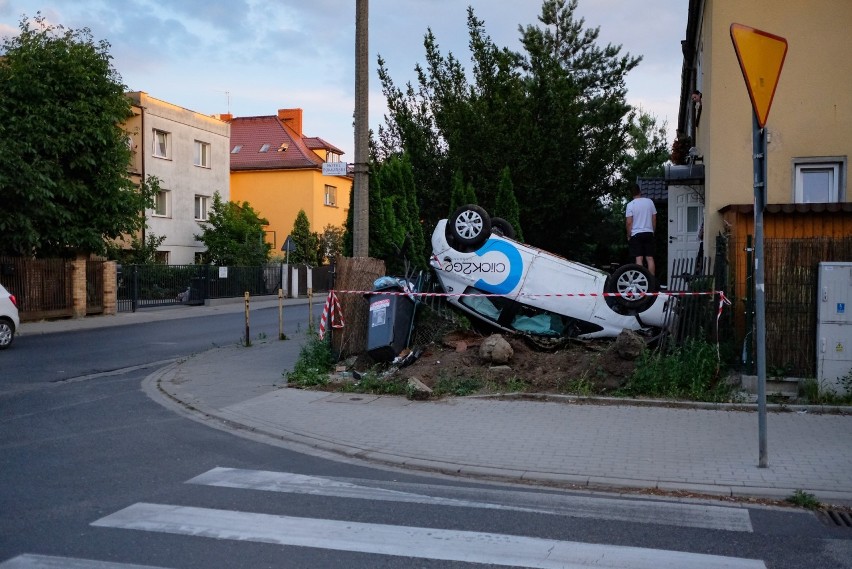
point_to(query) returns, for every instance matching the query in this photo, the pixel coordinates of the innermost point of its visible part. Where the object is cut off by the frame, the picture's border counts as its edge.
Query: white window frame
(202, 154)
(163, 204)
(834, 167)
(202, 207)
(330, 196)
(162, 144)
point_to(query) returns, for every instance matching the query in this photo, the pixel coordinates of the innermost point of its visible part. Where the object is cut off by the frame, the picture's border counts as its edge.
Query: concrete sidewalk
(585, 445)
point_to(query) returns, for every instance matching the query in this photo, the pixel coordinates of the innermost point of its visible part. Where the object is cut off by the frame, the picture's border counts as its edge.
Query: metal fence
(143, 286)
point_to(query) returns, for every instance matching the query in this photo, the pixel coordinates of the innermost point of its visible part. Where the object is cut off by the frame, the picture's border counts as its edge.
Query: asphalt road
(92, 468)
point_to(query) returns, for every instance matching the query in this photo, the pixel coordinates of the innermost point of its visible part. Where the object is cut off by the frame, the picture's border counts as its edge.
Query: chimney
(225, 117)
(292, 118)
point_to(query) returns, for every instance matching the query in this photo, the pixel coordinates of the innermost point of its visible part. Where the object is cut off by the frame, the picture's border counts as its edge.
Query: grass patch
(314, 364)
(690, 371)
(457, 386)
(372, 383)
(816, 394)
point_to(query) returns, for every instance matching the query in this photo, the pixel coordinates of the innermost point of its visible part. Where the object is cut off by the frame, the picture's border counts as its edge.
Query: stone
(496, 349)
(418, 390)
(629, 344)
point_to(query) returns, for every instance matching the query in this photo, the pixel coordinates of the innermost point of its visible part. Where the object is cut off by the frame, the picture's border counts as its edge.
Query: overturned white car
(525, 290)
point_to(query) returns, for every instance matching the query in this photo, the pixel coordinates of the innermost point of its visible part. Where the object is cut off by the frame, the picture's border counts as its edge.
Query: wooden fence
(59, 288)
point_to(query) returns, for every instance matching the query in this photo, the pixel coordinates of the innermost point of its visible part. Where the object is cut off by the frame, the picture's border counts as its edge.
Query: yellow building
(807, 218)
(808, 126)
(279, 171)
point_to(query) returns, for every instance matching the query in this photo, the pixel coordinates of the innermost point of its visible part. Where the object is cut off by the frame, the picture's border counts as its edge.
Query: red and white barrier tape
(577, 294)
(331, 314)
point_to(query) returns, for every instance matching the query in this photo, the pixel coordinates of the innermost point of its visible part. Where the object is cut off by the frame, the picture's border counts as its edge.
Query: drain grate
(836, 518)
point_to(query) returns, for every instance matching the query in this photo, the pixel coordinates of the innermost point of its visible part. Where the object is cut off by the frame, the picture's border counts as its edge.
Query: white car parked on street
(9, 319)
(524, 290)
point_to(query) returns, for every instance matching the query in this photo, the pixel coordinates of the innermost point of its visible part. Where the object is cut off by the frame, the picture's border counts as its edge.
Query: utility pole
(360, 217)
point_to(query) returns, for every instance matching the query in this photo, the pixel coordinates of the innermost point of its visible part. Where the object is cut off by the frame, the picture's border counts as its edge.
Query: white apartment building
(188, 153)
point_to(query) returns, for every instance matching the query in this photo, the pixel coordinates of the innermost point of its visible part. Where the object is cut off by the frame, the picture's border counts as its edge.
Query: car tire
(502, 227)
(7, 333)
(635, 280)
(469, 227)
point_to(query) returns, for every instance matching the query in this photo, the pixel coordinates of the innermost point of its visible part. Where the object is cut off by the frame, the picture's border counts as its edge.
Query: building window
(202, 154)
(693, 214)
(331, 196)
(237, 149)
(199, 258)
(161, 144)
(264, 148)
(161, 257)
(202, 204)
(819, 180)
(161, 203)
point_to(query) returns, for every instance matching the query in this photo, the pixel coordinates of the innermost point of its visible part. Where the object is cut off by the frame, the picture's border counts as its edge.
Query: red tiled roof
(315, 142)
(252, 133)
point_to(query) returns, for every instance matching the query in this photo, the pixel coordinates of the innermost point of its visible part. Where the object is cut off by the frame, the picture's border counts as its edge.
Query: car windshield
(511, 314)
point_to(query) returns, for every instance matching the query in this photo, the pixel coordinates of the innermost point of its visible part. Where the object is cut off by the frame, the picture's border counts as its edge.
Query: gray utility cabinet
(834, 326)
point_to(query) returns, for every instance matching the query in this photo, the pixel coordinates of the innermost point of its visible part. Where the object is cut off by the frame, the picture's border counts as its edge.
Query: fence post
(134, 287)
(248, 334)
(110, 289)
(281, 335)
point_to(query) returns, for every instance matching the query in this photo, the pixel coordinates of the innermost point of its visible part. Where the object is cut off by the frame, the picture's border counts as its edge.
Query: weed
(581, 386)
(314, 364)
(458, 386)
(690, 371)
(515, 385)
(261, 336)
(804, 500)
(816, 394)
(372, 382)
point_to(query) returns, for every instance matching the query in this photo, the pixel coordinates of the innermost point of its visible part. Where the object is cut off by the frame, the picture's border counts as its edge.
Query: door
(686, 220)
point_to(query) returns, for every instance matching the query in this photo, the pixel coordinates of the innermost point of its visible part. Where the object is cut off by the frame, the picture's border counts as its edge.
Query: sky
(253, 57)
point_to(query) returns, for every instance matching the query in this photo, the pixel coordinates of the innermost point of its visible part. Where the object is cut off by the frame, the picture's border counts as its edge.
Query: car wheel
(469, 227)
(631, 282)
(502, 227)
(7, 333)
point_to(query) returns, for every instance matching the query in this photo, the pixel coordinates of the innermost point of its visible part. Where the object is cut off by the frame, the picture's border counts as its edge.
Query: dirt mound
(581, 366)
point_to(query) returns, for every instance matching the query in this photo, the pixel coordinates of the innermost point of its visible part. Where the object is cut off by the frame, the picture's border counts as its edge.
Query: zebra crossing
(417, 542)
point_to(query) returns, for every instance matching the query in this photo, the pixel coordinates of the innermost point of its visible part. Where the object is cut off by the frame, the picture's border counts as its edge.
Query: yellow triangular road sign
(761, 56)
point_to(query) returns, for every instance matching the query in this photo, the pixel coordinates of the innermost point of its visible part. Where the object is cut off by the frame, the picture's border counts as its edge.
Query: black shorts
(641, 245)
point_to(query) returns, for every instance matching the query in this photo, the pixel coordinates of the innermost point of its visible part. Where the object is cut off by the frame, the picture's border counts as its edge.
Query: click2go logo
(497, 267)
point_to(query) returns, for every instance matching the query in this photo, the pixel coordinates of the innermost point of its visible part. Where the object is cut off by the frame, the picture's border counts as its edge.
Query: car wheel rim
(469, 224)
(632, 284)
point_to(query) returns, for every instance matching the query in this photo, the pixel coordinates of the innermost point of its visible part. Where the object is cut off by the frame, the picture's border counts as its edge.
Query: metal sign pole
(759, 149)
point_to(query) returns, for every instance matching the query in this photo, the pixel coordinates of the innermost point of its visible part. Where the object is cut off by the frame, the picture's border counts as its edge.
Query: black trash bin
(197, 291)
(389, 324)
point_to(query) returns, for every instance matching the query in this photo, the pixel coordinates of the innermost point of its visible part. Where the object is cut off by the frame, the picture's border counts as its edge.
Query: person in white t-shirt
(641, 223)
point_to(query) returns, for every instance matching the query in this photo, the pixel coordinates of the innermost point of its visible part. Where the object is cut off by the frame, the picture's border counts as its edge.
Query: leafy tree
(233, 235)
(306, 242)
(63, 172)
(506, 204)
(330, 243)
(555, 114)
(141, 252)
(648, 151)
(395, 179)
